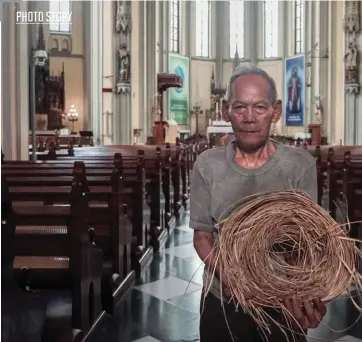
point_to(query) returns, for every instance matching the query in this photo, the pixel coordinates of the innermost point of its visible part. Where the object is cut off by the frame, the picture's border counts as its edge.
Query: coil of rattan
(282, 245)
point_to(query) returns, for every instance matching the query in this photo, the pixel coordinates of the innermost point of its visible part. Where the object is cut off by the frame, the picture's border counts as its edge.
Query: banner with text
(178, 98)
(294, 82)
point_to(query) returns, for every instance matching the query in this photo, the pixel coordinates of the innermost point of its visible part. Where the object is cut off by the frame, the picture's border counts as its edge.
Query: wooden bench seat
(52, 243)
(108, 216)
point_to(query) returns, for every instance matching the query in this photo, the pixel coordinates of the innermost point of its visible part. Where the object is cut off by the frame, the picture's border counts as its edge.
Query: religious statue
(122, 18)
(212, 80)
(319, 109)
(41, 66)
(124, 64)
(294, 92)
(350, 60)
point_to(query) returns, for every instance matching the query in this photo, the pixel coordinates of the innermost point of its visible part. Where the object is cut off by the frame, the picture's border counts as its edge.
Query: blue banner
(294, 91)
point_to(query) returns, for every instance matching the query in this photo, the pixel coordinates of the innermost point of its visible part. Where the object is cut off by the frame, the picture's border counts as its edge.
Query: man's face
(251, 112)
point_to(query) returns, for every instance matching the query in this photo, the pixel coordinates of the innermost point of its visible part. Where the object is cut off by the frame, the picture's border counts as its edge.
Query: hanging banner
(178, 98)
(294, 91)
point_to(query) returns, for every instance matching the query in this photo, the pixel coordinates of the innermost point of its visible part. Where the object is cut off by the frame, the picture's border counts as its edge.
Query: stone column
(222, 8)
(308, 48)
(330, 124)
(151, 67)
(123, 113)
(252, 23)
(350, 126)
(108, 76)
(143, 75)
(8, 81)
(96, 68)
(352, 84)
(166, 49)
(22, 89)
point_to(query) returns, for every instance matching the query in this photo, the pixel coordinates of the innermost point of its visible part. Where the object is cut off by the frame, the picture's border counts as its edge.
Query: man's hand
(307, 314)
(204, 246)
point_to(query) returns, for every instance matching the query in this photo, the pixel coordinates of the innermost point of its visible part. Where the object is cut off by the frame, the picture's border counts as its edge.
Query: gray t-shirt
(218, 182)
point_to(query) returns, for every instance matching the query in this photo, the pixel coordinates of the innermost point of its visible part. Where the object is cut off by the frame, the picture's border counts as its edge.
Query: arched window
(270, 28)
(202, 27)
(61, 23)
(299, 26)
(236, 13)
(175, 26)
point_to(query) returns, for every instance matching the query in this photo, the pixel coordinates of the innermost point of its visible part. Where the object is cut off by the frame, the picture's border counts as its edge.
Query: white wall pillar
(338, 71)
(352, 76)
(151, 64)
(143, 74)
(350, 114)
(123, 120)
(96, 68)
(8, 85)
(308, 29)
(222, 11)
(330, 127)
(135, 65)
(22, 91)
(108, 76)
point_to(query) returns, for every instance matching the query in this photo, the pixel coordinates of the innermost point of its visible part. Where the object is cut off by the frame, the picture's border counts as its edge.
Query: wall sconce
(308, 82)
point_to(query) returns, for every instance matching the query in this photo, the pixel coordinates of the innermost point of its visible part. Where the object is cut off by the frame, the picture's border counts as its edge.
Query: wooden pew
(177, 160)
(353, 189)
(171, 170)
(133, 179)
(53, 244)
(112, 226)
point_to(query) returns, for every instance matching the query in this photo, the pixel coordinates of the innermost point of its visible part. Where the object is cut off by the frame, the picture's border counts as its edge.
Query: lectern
(316, 133)
(164, 81)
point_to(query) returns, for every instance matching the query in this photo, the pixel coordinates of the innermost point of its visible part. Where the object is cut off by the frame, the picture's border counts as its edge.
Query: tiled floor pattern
(164, 305)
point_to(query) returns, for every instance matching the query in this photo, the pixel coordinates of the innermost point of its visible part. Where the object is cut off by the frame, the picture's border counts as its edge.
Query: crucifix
(197, 111)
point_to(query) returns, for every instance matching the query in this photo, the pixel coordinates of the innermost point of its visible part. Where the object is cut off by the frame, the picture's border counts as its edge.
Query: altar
(217, 127)
(217, 131)
(61, 138)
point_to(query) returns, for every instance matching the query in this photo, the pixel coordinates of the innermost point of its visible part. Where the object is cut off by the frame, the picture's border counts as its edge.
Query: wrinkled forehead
(251, 88)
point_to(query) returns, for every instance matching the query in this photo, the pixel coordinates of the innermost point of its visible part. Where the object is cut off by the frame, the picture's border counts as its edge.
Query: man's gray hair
(244, 69)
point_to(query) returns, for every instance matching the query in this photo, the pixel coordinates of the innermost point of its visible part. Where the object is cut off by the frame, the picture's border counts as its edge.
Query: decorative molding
(204, 59)
(60, 43)
(352, 89)
(123, 88)
(67, 54)
(242, 60)
(271, 59)
(352, 30)
(123, 18)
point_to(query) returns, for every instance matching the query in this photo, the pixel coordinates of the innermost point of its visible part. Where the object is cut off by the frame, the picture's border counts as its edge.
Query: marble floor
(164, 305)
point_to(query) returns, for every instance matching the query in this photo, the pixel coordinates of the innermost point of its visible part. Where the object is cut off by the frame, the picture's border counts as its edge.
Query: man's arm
(200, 216)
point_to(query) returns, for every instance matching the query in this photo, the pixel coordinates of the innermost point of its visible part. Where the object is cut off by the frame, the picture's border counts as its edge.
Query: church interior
(104, 110)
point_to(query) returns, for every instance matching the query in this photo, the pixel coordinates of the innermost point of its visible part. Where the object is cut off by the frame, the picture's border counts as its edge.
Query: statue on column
(351, 66)
(124, 64)
(319, 109)
(41, 63)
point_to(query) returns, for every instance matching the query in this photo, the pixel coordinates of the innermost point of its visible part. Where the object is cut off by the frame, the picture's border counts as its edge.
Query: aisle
(164, 305)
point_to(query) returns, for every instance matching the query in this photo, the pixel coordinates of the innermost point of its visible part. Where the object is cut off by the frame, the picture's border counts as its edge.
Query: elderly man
(250, 163)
